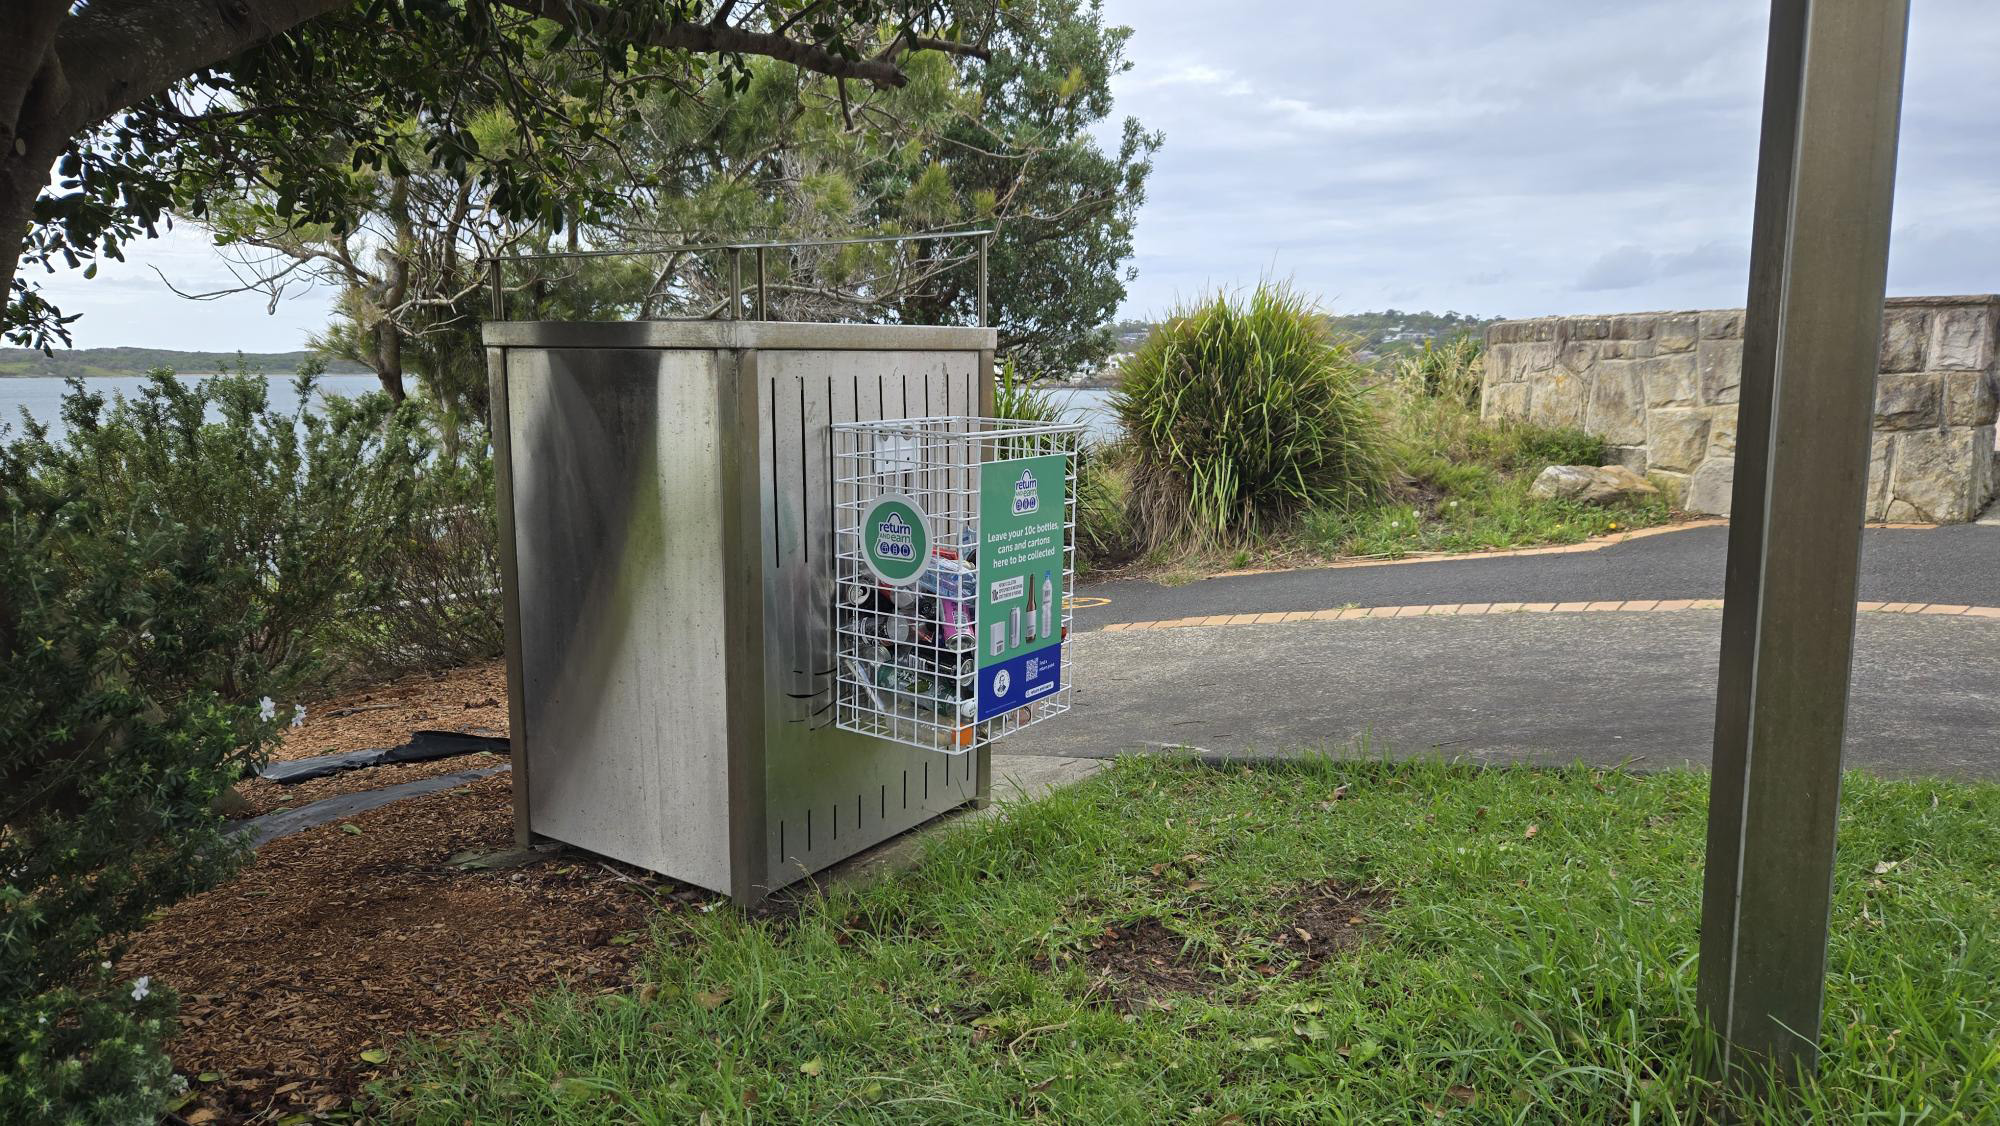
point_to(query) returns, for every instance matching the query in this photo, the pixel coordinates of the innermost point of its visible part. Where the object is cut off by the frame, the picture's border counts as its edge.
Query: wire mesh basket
(955, 552)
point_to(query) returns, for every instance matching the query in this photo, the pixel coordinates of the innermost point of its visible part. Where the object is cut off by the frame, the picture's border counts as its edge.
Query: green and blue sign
(1021, 512)
(896, 540)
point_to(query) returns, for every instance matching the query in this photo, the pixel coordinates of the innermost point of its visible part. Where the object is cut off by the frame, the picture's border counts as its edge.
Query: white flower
(142, 987)
(103, 965)
(267, 708)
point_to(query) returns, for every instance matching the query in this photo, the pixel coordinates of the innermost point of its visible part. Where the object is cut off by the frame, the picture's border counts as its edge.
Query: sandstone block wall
(1661, 389)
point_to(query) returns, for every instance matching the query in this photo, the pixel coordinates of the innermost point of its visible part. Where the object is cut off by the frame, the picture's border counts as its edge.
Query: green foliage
(126, 708)
(1448, 371)
(1241, 417)
(1531, 959)
(393, 86)
(1008, 144)
(305, 503)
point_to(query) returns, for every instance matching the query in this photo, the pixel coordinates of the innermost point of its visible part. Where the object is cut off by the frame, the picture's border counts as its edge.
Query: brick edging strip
(1634, 606)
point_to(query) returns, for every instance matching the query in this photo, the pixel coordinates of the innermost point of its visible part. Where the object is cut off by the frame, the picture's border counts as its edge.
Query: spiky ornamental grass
(1241, 416)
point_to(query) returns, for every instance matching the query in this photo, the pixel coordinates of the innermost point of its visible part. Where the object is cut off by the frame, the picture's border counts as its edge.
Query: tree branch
(708, 38)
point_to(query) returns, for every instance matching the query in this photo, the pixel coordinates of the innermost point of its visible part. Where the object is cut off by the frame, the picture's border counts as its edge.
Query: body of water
(41, 396)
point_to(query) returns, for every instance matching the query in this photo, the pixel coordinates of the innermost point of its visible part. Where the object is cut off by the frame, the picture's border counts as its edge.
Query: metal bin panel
(829, 793)
(617, 507)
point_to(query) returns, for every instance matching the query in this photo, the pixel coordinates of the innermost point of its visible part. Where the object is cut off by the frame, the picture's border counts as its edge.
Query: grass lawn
(1330, 942)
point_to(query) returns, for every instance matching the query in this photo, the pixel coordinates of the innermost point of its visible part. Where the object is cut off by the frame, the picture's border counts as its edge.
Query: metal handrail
(736, 249)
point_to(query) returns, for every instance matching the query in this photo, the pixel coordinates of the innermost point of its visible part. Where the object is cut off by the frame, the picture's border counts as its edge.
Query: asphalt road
(1956, 564)
(1634, 688)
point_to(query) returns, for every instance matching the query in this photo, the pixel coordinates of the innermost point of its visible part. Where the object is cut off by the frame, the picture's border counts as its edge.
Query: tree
(128, 101)
(1005, 144)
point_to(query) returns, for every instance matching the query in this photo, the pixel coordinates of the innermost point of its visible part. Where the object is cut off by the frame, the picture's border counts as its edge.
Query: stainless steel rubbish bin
(666, 537)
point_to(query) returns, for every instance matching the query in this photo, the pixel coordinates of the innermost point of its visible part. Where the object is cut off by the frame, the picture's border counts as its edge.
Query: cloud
(1540, 156)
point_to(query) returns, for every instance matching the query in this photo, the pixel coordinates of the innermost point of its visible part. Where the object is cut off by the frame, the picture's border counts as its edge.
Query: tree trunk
(388, 363)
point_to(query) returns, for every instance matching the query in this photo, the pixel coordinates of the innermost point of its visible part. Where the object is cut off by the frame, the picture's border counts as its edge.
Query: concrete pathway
(1602, 687)
(1958, 564)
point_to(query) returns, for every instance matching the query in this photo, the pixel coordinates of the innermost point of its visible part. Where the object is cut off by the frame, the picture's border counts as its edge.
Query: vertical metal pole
(984, 242)
(763, 292)
(735, 283)
(1819, 255)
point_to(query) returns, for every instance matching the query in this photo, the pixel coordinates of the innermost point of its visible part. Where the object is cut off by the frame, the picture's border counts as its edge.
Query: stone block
(1505, 401)
(1711, 487)
(1631, 457)
(1634, 326)
(1616, 411)
(1587, 328)
(1907, 402)
(1578, 356)
(1498, 365)
(1722, 324)
(1969, 399)
(1881, 450)
(1935, 474)
(1905, 332)
(1722, 431)
(1558, 399)
(1677, 439)
(1677, 334)
(1537, 357)
(1625, 349)
(1509, 332)
(1673, 485)
(1721, 366)
(1962, 337)
(1670, 380)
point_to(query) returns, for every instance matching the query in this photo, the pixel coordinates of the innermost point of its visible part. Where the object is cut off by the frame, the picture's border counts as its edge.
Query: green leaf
(375, 1055)
(350, 828)
(812, 1066)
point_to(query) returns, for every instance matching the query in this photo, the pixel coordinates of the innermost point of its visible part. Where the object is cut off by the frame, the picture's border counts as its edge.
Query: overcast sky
(1539, 156)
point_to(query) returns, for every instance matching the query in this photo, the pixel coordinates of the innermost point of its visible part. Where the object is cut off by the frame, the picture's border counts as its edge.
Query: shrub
(125, 711)
(1444, 371)
(1240, 417)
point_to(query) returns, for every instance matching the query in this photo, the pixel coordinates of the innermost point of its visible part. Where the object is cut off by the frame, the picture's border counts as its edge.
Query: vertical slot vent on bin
(771, 428)
(809, 830)
(836, 822)
(906, 789)
(805, 492)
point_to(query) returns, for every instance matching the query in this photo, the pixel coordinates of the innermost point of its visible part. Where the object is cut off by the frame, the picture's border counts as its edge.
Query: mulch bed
(354, 936)
(471, 699)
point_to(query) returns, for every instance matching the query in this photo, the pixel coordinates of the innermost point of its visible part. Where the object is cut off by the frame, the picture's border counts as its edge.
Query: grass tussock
(1240, 416)
(1526, 954)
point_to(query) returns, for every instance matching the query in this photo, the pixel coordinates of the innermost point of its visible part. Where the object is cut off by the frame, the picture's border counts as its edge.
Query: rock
(1678, 334)
(1614, 483)
(1970, 399)
(1631, 457)
(1722, 431)
(1881, 448)
(1906, 402)
(1670, 380)
(1962, 337)
(1617, 408)
(1592, 484)
(1505, 401)
(1904, 332)
(1677, 439)
(1722, 324)
(1558, 399)
(1562, 482)
(1721, 363)
(1711, 487)
(1931, 481)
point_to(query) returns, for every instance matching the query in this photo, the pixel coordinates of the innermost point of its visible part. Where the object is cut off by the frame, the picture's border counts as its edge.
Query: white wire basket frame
(906, 657)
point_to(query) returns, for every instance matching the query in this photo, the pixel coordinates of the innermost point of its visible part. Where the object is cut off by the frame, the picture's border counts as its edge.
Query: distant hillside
(1378, 337)
(91, 362)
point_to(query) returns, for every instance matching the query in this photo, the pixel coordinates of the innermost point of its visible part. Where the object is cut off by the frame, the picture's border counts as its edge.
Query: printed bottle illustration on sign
(1021, 510)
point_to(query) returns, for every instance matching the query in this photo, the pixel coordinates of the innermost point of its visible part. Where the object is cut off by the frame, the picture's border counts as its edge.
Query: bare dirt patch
(1144, 962)
(338, 942)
